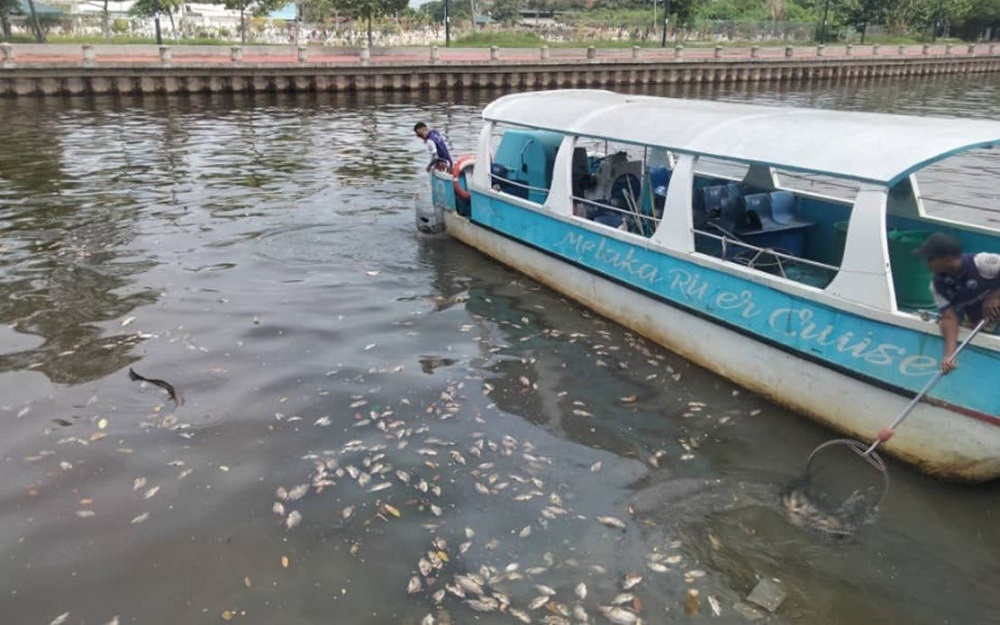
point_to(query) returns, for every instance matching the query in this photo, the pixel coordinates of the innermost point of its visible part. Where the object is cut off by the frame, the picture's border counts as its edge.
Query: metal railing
(754, 255)
(645, 223)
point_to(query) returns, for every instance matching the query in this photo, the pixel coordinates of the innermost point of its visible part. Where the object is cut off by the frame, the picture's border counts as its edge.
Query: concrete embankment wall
(137, 70)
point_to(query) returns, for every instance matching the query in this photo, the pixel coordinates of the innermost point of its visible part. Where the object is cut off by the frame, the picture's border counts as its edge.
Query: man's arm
(988, 266)
(949, 330)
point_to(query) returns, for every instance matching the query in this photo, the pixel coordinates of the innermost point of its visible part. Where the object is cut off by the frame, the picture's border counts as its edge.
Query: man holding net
(966, 288)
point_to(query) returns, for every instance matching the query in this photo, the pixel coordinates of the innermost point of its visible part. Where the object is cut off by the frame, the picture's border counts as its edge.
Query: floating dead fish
(520, 615)
(59, 620)
(538, 602)
(294, 518)
(611, 521)
(545, 590)
(630, 580)
(139, 519)
(619, 615)
(581, 591)
(414, 586)
(657, 567)
(171, 392)
(298, 492)
(484, 604)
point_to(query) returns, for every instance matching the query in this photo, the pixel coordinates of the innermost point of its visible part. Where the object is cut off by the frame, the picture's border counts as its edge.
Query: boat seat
(759, 204)
(783, 204)
(733, 216)
(734, 189)
(712, 198)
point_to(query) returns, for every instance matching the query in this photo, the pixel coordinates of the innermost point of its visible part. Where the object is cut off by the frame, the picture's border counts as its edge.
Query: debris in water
(692, 601)
(767, 594)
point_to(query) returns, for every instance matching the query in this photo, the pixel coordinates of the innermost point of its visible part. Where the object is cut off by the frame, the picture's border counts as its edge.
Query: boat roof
(870, 147)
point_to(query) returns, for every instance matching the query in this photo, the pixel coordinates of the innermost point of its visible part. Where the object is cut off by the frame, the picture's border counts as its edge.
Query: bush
(119, 26)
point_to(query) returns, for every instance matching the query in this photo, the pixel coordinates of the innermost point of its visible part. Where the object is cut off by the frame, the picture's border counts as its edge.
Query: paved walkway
(56, 55)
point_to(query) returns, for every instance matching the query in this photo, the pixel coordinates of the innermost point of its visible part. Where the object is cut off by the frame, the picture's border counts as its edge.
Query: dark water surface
(260, 255)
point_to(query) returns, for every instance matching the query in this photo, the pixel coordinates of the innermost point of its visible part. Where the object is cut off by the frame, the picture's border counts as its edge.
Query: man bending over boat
(436, 145)
(966, 288)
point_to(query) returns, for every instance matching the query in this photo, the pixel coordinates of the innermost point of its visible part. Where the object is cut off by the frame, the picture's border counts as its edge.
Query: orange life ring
(463, 161)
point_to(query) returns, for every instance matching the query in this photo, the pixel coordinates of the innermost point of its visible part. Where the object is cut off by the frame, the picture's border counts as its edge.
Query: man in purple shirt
(436, 145)
(966, 288)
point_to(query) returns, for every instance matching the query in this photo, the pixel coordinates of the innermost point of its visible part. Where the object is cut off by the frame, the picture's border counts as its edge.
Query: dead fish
(611, 521)
(538, 602)
(484, 604)
(545, 590)
(171, 392)
(468, 584)
(298, 492)
(555, 619)
(427, 620)
(631, 580)
(424, 566)
(619, 616)
(581, 591)
(657, 567)
(294, 518)
(623, 598)
(580, 614)
(347, 512)
(414, 586)
(520, 615)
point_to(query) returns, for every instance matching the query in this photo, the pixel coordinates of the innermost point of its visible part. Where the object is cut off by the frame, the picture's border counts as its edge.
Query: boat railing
(634, 218)
(516, 183)
(769, 259)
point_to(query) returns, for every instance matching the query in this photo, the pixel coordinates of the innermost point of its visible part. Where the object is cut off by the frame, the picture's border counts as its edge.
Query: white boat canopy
(870, 147)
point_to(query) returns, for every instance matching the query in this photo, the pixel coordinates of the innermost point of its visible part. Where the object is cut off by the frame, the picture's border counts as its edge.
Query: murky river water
(259, 254)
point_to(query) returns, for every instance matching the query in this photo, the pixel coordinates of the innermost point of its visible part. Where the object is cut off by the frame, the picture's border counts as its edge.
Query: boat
(771, 245)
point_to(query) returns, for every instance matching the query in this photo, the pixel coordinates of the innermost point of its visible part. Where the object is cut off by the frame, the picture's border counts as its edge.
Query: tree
(255, 8)
(507, 11)
(153, 9)
(8, 8)
(35, 24)
(369, 10)
(861, 13)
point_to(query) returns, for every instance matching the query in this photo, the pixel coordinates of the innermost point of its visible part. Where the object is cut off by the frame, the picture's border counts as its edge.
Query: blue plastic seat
(713, 197)
(734, 189)
(733, 215)
(783, 209)
(659, 178)
(759, 205)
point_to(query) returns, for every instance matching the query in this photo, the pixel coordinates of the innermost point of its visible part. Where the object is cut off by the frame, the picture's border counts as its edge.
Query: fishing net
(841, 489)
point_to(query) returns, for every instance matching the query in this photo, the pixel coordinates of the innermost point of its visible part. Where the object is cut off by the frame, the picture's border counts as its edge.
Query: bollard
(718, 52)
(236, 54)
(494, 53)
(545, 53)
(365, 56)
(972, 49)
(88, 55)
(788, 52)
(591, 53)
(754, 51)
(636, 53)
(819, 50)
(165, 54)
(947, 48)
(848, 49)
(435, 55)
(302, 55)
(875, 49)
(6, 54)
(902, 50)
(678, 51)
(926, 49)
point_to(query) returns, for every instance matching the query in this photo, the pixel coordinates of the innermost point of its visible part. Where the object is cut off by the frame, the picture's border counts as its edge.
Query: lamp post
(447, 23)
(666, 17)
(822, 30)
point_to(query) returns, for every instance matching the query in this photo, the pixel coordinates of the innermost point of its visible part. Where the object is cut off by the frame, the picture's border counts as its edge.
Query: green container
(910, 276)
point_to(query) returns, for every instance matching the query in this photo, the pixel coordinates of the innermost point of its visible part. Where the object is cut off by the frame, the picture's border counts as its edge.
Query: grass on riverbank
(123, 40)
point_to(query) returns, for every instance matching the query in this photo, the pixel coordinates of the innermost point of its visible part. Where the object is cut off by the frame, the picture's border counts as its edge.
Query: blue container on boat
(526, 157)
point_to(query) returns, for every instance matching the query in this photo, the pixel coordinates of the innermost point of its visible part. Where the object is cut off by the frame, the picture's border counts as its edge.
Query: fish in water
(169, 388)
